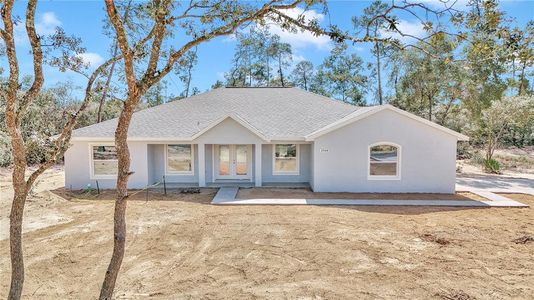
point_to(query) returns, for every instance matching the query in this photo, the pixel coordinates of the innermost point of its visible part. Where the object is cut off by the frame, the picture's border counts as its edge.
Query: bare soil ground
(184, 248)
(515, 162)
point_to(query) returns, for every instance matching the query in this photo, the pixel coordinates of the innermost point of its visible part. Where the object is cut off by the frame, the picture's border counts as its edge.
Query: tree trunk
(15, 243)
(305, 81)
(280, 71)
(378, 74)
(20, 193)
(430, 104)
(189, 76)
(522, 79)
(268, 71)
(119, 217)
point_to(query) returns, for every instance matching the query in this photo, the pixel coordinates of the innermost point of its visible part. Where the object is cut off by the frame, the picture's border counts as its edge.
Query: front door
(233, 161)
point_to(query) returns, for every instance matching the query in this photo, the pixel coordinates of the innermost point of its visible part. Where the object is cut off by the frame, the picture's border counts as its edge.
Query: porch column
(201, 165)
(257, 161)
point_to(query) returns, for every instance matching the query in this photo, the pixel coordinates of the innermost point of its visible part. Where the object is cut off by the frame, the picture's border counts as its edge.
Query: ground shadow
(205, 196)
(407, 210)
(479, 181)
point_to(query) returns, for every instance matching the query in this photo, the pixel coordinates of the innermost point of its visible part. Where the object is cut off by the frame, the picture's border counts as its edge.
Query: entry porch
(219, 165)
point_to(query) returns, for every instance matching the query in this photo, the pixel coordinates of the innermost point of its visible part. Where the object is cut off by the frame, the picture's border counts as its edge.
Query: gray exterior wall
(335, 162)
(156, 157)
(304, 161)
(78, 167)
(427, 164)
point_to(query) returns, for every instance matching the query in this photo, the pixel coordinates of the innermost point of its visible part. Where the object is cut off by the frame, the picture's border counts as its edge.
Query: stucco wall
(267, 165)
(156, 156)
(78, 171)
(428, 156)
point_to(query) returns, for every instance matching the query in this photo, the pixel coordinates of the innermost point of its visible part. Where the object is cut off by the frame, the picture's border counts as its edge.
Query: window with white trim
(180, 159)
(286, 159)
(104, 160)
(384, 161)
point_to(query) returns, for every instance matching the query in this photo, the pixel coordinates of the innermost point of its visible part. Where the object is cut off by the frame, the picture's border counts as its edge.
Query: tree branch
(37, 55)
(62, 141)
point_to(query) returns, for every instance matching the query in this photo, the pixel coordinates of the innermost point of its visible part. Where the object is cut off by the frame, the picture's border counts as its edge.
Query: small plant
(89, 189)
(492, 166)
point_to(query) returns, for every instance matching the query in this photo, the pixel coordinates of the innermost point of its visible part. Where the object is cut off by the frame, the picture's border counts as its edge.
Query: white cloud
(91, 58)
(302, 39)
(47, 23)
(298, 58)
(415, 29)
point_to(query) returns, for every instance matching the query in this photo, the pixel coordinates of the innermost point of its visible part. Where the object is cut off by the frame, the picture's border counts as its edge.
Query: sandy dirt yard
(184, 248)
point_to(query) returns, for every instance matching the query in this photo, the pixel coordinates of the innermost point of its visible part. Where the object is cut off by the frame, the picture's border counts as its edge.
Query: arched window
(384, 161)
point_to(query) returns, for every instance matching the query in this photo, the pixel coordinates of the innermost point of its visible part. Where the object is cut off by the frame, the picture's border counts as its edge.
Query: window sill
(180, 173)
(96, 177)
(377, 177)
(287, 173)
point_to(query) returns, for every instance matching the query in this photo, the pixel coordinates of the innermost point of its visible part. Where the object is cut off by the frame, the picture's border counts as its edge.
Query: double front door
(233, 161)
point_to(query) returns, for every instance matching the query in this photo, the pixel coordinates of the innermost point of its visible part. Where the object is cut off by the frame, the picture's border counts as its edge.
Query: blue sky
(84, 19)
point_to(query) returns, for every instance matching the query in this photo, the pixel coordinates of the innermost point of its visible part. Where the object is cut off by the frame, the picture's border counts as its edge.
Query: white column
(257, 161)
(201, 165)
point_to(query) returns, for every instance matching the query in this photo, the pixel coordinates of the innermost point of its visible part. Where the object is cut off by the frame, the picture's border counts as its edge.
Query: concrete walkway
(494, 183)
(226, 196)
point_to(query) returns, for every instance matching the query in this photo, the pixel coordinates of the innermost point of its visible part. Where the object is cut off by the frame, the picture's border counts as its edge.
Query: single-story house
(271, 136)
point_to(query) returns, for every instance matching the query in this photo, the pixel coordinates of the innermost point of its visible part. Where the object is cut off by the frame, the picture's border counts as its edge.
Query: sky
(84, 19)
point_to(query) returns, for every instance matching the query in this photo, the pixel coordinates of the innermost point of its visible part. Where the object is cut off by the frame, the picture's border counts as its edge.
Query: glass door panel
(241, 164)
(224, 160)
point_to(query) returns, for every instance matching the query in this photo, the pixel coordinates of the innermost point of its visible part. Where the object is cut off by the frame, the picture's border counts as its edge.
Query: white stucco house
(271, 136)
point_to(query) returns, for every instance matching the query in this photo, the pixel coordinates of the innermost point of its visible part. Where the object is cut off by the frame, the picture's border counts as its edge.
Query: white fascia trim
(135, 139)
(287, 139)
(358, 115)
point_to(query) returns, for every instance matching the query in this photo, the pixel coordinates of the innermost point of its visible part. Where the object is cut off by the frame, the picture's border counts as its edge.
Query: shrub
(492, 166)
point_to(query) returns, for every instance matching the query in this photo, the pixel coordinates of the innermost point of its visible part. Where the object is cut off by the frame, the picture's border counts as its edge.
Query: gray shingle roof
(275, 112)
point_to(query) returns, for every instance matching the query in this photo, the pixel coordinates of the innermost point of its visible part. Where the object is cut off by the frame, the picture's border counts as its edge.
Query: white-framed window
(179, 159)
(384, 161)
(286, 159)
(104, 161)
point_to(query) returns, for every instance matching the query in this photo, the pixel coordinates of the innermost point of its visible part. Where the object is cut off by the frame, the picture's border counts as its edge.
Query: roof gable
(369, 111)
(235, 118)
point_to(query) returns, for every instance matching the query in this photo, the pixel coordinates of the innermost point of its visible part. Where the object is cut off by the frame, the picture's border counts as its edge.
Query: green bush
(492, 166)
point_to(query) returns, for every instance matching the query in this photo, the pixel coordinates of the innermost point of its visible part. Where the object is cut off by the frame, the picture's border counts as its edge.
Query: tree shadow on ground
(205, 195)
(407, 210)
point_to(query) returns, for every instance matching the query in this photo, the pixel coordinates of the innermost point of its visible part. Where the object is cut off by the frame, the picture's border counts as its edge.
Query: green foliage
(46, 117)
(492, 166)
(340, 76)
(303, 74)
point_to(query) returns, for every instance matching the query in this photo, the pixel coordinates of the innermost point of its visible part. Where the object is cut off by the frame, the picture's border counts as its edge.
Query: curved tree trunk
(123, 173)
(20, 193)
